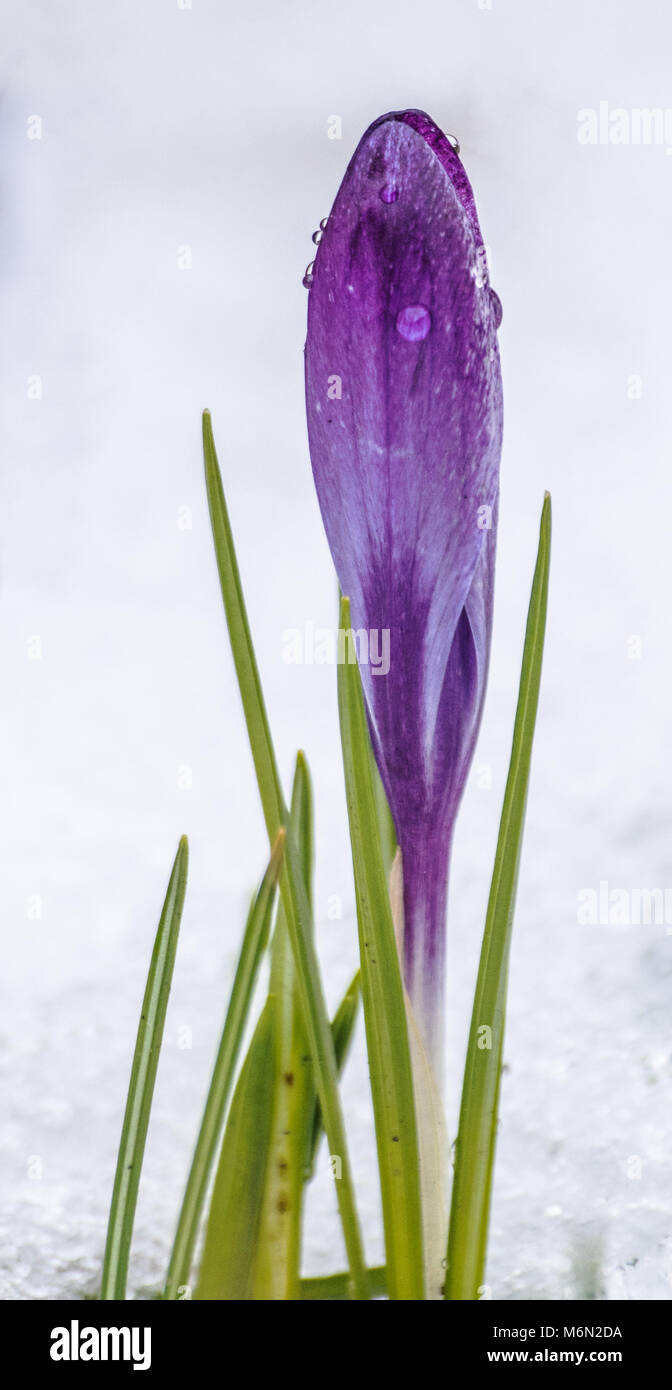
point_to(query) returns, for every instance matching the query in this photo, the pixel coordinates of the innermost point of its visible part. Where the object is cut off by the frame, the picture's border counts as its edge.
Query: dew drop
(414, 323)
(308, 277)
(389, 194)
(496, 307)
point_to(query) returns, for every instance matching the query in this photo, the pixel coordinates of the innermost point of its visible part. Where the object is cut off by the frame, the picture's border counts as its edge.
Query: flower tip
(446, 151)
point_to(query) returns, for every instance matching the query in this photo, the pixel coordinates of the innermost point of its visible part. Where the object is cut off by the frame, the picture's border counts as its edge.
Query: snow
(153, 245)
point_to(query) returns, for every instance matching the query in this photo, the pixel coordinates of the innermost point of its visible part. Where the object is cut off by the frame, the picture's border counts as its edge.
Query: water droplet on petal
(453, 140)
(496, 307)
(389, 193)
(317, 237)
(308, 277)
(414, 323)
(323, 223)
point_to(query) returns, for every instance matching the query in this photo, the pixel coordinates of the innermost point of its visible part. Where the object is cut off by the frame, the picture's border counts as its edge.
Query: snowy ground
(172, 135)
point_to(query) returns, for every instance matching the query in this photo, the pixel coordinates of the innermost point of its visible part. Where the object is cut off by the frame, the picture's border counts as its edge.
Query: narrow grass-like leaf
(229, 1252)
(333, 1288)
(292, 886)
(141, 1085)
(303, 820)
(278, 1263)
(255, 941)
(342, 1030)
(475, 1146)
(386, 827)
(383, 998)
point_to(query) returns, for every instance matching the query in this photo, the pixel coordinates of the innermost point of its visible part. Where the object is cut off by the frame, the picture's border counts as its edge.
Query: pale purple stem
(425, 868)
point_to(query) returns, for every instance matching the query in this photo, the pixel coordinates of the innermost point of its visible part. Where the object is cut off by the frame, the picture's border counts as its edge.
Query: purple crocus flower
(404, 403)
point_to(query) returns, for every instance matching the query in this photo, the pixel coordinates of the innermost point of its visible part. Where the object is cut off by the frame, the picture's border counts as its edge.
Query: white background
(207, 128)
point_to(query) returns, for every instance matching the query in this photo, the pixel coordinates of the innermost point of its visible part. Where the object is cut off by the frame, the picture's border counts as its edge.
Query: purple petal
(404, 407)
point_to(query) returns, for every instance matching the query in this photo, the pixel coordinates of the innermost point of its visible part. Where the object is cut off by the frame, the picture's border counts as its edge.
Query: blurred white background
(205, 128)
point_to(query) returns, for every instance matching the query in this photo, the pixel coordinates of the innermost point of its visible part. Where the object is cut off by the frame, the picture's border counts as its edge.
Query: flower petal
(404, 406)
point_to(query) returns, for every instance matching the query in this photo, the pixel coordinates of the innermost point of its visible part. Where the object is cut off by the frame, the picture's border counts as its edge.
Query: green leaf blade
(255, 941)
(278, 1262)
(230, 1249)
(383, 999)
(141, 1085)
(333, 1288)
(247, 671)
(292, 885)
(342, 1030)
(475, 1146)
